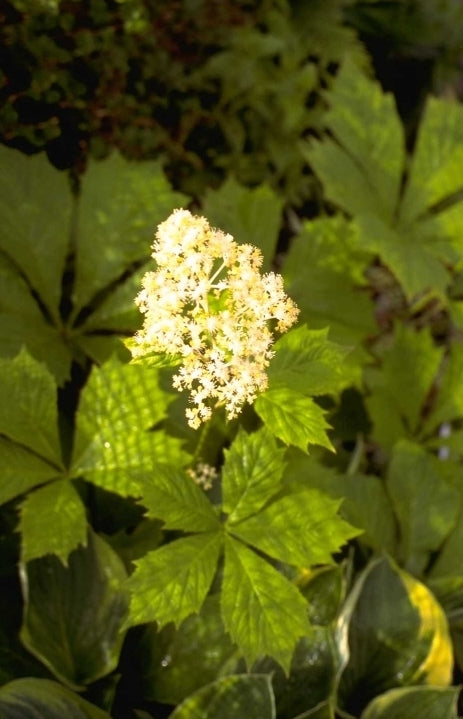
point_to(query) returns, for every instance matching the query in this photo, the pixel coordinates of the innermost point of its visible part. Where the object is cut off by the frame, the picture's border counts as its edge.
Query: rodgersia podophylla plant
(207, 303)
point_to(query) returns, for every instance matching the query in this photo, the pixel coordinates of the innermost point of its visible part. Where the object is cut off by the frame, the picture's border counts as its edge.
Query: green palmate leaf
(397, 635)
(28, 411)
(293, 417)
(323, 273)
(73, 616)
(21, 470)
(56, 505)
(426, 506)
(306, 361)
(436, 170)
(263, 612)
(251, 473)
(171, 495)
(230, 697)
(44, 699)
(252, 216)
(114, 447)
(171, 583)
(423, 702)
(176, 663)
(363, 172)
(35, 206)
(22, 323)
(122, 203)
(400, 390)
(301, 529)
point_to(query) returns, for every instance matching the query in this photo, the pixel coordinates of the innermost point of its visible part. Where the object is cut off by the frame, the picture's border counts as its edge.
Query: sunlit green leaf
(171, 583)
(251, 473)
(293, 417)
(56, 505)
(73, 615)
(262, 610)
(171, 495)
(306, 361)
(301, 529)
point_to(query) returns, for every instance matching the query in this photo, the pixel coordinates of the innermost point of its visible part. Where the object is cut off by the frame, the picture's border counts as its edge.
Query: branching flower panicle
(207, 302)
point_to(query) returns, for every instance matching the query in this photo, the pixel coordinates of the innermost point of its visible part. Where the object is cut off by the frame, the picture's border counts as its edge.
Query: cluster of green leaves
(323, 585)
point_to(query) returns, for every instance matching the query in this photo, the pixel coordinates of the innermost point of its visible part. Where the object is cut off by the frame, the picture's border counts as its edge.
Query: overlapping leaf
(73, 615)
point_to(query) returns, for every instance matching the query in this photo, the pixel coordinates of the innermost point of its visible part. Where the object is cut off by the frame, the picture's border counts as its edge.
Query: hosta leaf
(171, 495)
(171, 583)
(21, 470)
(397, 635)
(56, 506)
(251, 473)
(301, 529)
(400, 390)
(426, 506)
(28, 410)
(436, 170)
(251, 215)
(177, 662)
(44, 699)
(35, 205)
(293, 417)
(122, 202)
(306, 361)
(236, 696)
(73, 615)
(423, 702)
(263, 612)
(361, 169)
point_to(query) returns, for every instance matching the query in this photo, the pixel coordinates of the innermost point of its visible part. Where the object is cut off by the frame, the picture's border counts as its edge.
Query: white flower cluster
(207, 302)
(203, 475)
